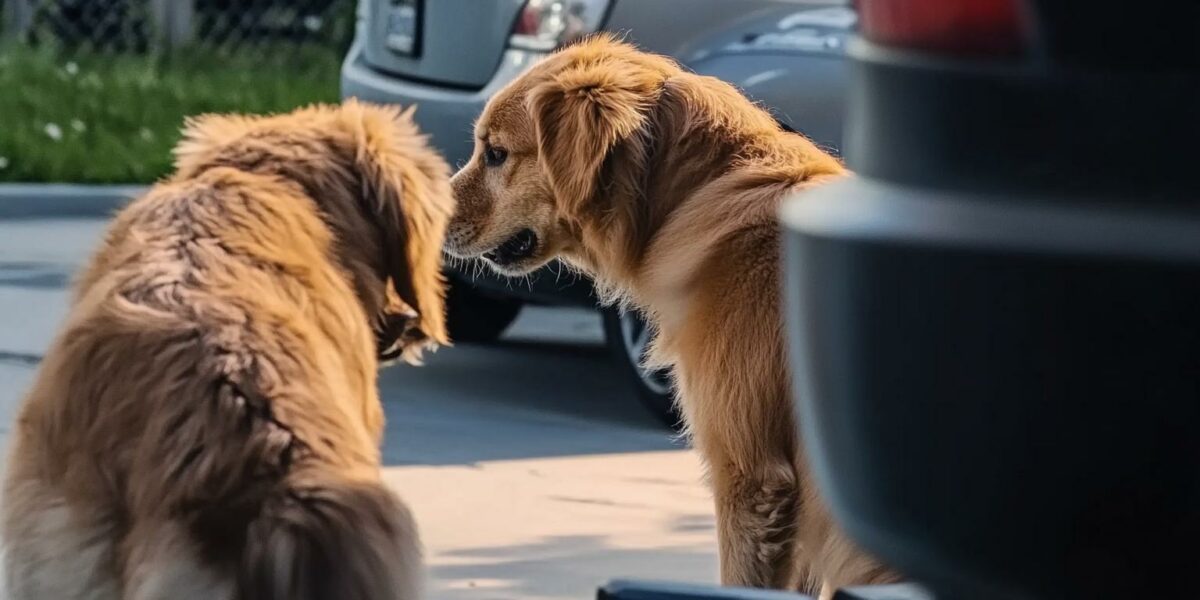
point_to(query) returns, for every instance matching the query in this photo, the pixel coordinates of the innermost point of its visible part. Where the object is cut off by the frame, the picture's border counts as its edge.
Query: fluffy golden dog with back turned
(664, 186)
(207, 423)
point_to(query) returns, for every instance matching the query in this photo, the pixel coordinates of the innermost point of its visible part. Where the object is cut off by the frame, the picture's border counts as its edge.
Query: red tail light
(963, 27)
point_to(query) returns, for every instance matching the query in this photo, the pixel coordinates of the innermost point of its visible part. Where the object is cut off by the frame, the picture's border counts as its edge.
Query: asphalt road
(532, 470)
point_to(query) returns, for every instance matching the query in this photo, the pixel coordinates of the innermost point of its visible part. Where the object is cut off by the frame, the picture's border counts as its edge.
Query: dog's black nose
(514, 249)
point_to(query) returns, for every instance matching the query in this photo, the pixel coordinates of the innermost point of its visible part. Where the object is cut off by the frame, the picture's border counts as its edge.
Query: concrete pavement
(531, 469)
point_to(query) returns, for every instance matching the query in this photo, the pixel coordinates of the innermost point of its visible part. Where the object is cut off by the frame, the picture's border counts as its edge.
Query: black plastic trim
(1017, 127)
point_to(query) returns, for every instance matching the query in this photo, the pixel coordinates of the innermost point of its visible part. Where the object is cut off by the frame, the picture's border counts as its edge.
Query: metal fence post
(172, 21)
(159, 10)
(179, 29)
(18, 16)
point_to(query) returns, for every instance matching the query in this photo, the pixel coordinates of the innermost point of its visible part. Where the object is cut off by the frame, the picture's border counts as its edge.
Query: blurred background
(95, 90)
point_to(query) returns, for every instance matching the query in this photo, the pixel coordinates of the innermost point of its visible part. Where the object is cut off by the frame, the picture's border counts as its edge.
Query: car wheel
(628, 337)
(475, 317)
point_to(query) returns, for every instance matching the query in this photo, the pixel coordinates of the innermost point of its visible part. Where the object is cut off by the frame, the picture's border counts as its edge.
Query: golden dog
(207, 424)
(664, 186)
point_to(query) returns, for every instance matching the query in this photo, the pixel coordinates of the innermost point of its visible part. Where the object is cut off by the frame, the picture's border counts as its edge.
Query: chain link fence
(95, 91)
(150, 25)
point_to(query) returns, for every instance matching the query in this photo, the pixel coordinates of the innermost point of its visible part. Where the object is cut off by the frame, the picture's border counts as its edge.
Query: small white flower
(71, 68)
(78, 126)
(3, 162)
(313, 23)
(53, 131)
(145, 134)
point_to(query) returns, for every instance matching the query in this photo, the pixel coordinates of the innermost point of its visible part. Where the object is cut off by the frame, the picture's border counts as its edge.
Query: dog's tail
(322, 536)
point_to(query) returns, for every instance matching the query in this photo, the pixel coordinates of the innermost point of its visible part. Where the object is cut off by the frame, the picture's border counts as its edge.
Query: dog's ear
(407, 186)
(581, 114)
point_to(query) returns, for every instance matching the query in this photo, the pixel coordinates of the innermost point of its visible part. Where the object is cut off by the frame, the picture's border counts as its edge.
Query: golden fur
(207, 423)
(664, 186)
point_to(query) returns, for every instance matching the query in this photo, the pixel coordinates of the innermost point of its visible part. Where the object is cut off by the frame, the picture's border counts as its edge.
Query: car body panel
(670, 26)
(766, 79)
(447, 115)
(460, 43)
(789, 59)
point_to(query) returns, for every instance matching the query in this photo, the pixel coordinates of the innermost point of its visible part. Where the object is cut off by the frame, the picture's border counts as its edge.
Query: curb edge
(56, 200)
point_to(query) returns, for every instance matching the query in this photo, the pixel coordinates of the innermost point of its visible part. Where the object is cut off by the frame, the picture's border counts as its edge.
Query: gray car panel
(447, 115)
(806, 94)
(668, 26)
(789, 59)
(459, 44)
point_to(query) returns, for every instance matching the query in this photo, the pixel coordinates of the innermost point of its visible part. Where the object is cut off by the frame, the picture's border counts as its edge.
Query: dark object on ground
(655, 590)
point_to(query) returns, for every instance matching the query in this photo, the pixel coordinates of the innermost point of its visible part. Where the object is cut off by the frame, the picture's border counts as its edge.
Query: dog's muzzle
(519, 247)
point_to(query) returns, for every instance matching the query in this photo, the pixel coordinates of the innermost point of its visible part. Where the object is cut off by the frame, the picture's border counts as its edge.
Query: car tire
(473, 317)
(628, 337)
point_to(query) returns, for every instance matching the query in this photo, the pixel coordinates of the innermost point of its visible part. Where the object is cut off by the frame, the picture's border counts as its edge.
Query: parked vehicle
(448, 57)
(994, 324)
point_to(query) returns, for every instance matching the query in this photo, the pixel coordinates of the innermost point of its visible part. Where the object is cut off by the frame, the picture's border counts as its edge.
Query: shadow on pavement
(511, 401)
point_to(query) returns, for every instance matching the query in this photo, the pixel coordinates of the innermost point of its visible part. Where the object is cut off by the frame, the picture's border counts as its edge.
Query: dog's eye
(494, 156)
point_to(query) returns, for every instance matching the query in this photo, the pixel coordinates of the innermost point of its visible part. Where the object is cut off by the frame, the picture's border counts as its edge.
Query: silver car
(449, 56)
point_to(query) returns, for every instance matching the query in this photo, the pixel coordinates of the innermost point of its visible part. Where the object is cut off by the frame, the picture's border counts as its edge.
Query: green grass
(113, 118)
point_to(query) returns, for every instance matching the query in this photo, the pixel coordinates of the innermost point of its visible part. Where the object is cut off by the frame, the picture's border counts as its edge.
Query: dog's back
(206, 425)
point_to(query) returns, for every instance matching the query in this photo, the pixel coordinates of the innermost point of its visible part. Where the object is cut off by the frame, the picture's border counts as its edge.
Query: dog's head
(384, 193)
(533, 184)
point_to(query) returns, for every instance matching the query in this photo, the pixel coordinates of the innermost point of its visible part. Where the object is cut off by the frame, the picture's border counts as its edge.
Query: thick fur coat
(207, 424)
(664, 186)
